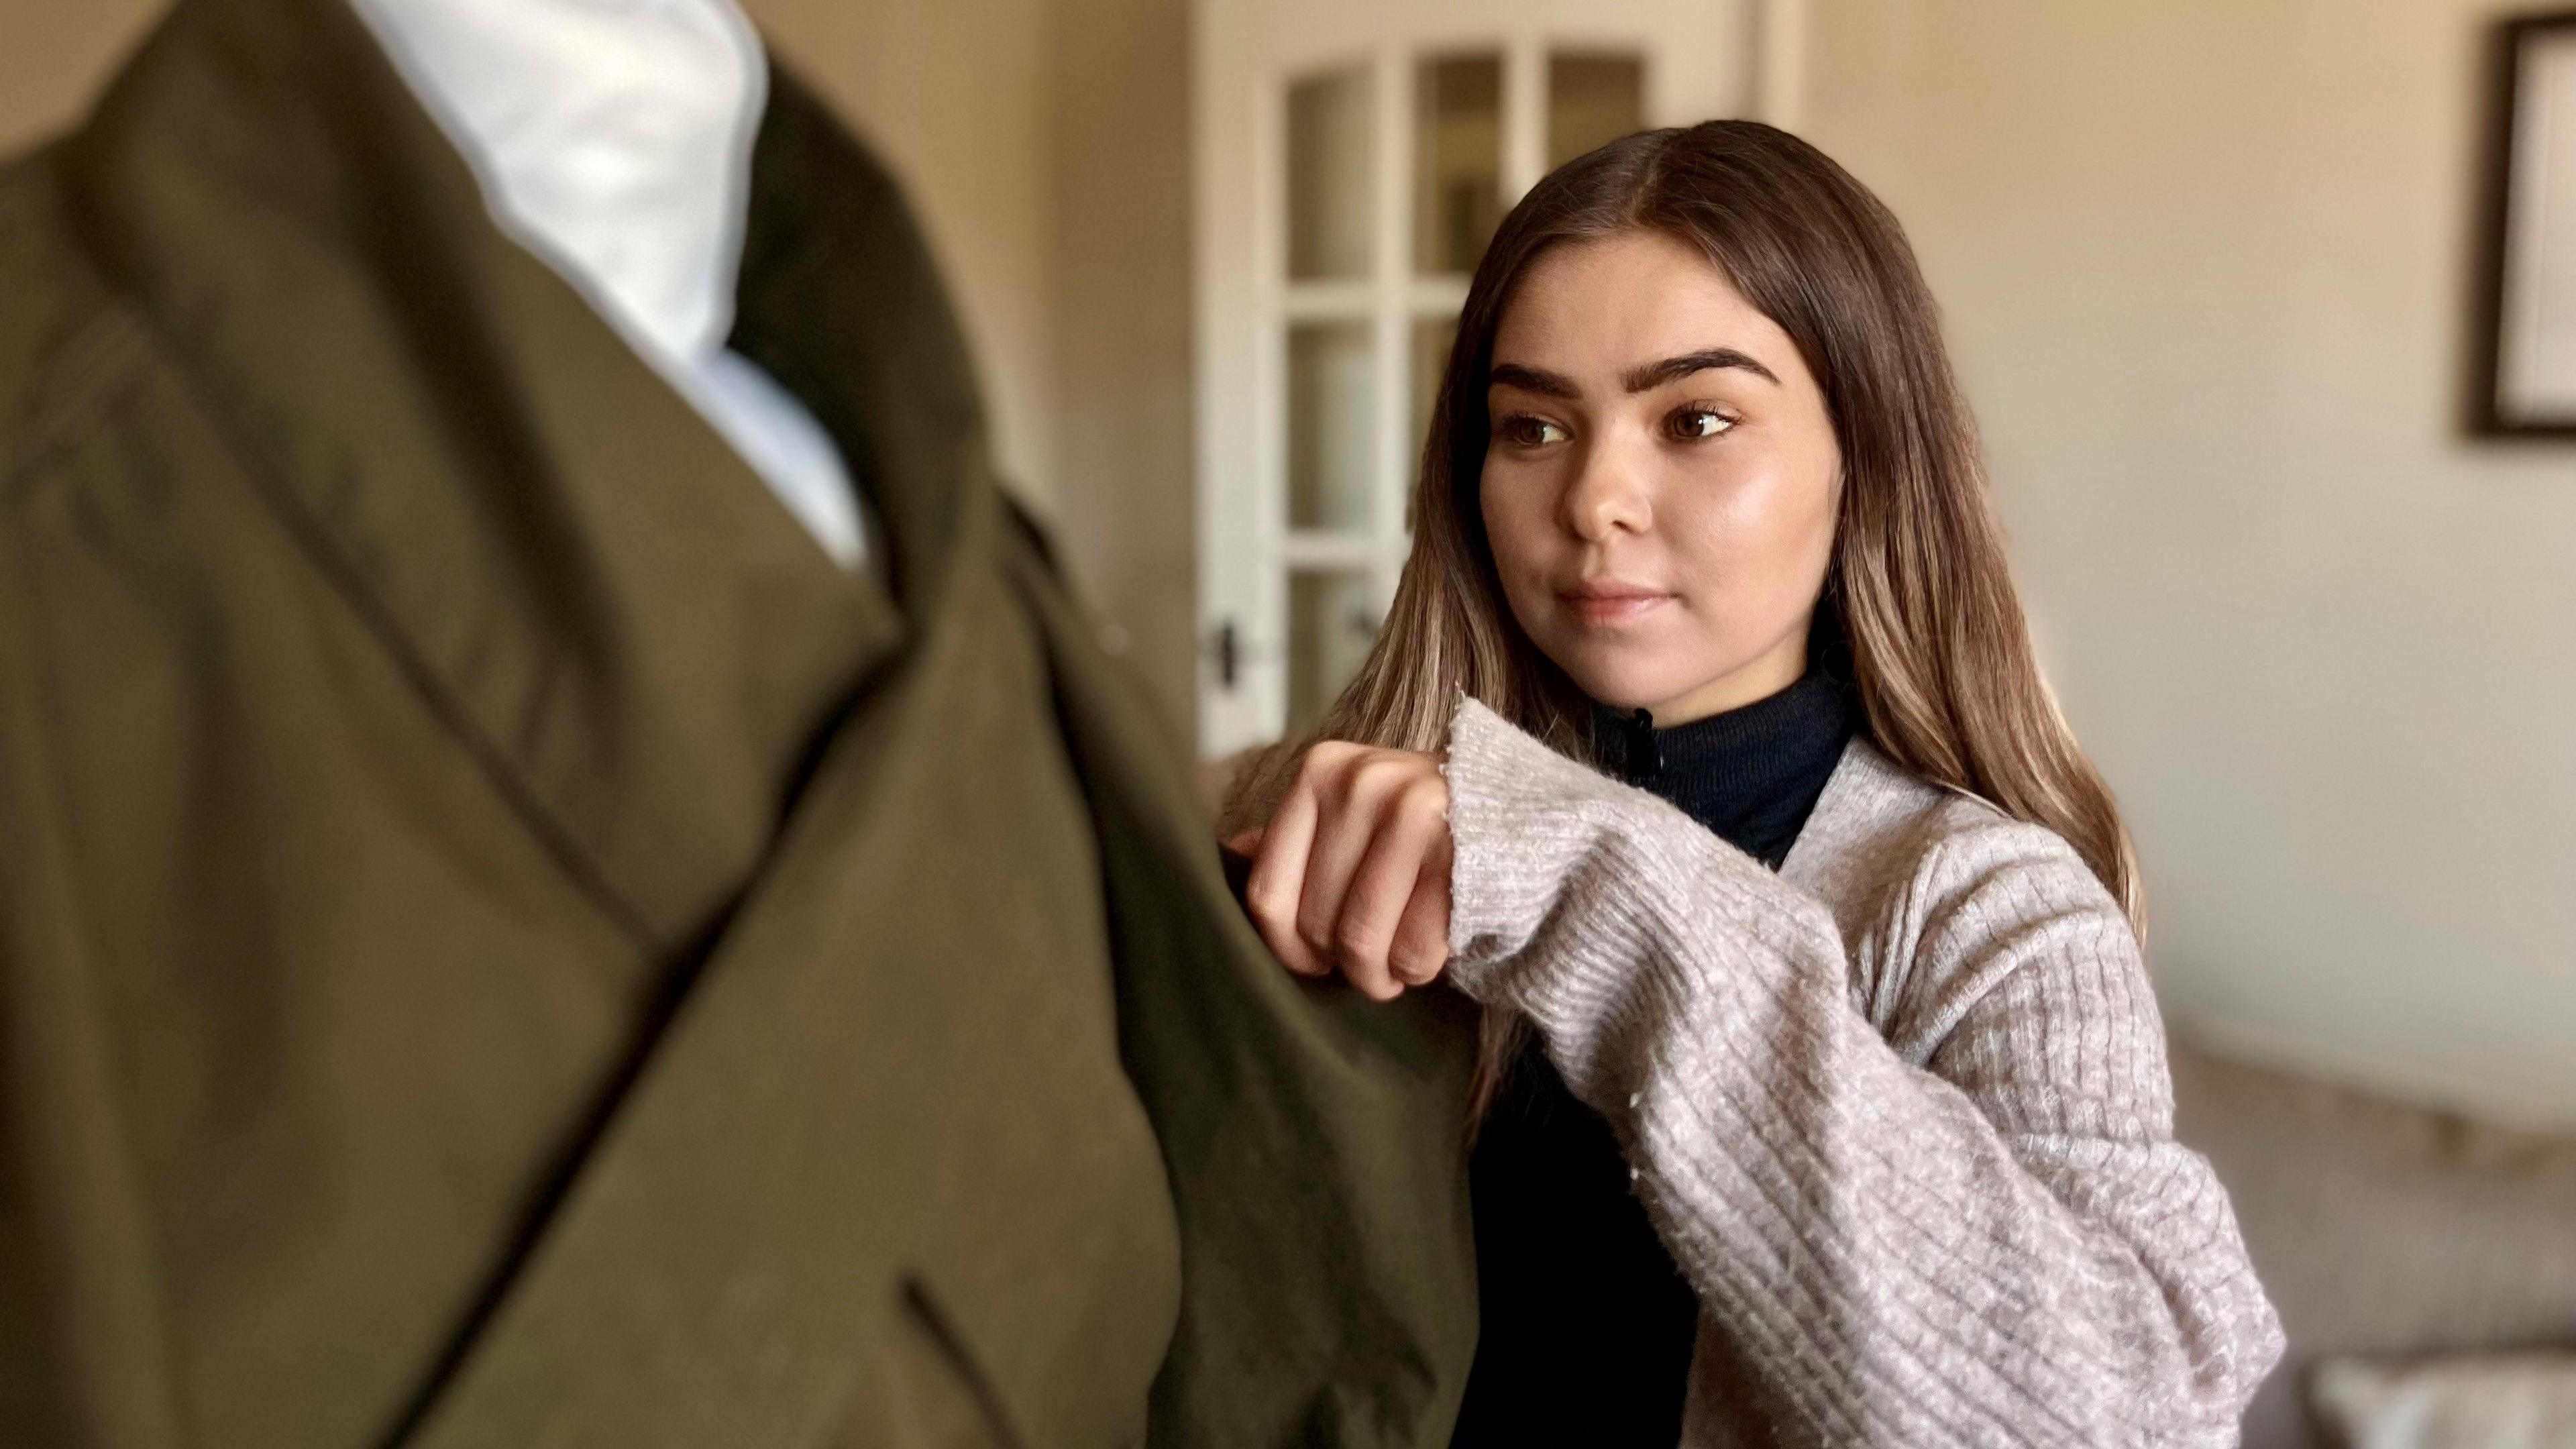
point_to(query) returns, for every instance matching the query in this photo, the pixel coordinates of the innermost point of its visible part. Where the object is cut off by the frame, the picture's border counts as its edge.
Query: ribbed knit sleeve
(1930, 1197)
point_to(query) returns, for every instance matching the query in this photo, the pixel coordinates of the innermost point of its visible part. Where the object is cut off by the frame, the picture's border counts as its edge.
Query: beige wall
(53, 56)
(1125, 508)
(2204, 265)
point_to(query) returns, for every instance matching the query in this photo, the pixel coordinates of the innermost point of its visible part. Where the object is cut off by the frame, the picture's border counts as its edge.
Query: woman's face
(1661, 484)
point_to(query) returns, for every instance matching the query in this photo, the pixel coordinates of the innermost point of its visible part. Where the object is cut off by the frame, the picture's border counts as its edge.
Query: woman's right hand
(1352, 872)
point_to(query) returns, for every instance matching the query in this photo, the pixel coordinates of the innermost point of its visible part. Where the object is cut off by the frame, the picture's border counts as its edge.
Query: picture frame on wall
(2525, 381)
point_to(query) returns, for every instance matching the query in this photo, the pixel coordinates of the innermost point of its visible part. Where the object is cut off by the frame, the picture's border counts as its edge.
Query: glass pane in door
(1592, 99)
(1329, 212)
(1332, 387)
(1457, 162)
(1330, 625)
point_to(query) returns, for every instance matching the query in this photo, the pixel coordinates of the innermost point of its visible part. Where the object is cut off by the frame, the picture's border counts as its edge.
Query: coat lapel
(611, 609)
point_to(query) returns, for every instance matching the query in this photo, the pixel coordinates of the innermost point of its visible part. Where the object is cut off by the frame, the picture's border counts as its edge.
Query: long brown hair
(1918, 582)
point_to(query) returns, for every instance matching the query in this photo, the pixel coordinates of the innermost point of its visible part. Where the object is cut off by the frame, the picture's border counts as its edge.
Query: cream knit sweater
(1900, 1112)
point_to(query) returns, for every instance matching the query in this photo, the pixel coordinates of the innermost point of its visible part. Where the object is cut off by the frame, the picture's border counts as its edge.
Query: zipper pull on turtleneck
(1643, 756)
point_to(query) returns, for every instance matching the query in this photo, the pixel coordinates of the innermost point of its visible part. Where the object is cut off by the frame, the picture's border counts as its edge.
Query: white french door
(1353, 157)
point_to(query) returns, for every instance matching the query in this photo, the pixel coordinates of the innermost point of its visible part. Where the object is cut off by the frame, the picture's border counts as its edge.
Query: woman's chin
(1673, 697)
(1624, 690)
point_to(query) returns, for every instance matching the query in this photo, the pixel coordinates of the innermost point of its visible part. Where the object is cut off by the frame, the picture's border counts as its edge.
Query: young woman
(1869, 1135)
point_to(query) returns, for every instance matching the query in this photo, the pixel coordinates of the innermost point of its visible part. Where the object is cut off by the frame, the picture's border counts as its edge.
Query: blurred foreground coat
(501, 942)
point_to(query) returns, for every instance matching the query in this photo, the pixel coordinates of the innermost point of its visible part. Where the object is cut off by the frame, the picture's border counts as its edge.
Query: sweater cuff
(1518, 827)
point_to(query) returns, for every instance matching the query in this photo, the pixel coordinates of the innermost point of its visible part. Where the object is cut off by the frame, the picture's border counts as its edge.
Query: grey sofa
(2381, 1228)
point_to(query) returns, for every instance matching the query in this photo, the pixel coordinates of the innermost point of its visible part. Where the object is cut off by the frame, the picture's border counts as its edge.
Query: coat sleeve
(1315, 1141)
(1972, 1226)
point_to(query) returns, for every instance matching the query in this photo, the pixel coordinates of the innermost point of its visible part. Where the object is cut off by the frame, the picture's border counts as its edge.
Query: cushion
(2457, 1401)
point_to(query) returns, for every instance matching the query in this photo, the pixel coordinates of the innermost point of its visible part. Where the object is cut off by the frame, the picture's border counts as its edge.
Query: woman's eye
(1529, 432)
(1692, 423)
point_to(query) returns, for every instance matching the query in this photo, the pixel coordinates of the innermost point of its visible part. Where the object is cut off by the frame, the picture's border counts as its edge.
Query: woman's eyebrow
(1655, 374)
(1644, 378)
(1531, 379)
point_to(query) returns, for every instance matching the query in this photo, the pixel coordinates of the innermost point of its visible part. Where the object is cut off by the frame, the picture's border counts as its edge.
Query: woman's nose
(1608, 493)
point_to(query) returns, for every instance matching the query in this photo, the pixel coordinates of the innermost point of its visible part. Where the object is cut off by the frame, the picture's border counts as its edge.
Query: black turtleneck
(1587, 1327)
(1750, 774)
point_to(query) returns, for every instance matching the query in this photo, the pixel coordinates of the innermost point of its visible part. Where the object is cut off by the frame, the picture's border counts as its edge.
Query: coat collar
(583, 576)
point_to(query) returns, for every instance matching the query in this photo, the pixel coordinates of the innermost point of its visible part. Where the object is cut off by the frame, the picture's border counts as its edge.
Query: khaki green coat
(502, 943)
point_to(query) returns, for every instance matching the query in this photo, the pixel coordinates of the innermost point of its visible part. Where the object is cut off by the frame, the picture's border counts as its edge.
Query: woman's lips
(1602, 602)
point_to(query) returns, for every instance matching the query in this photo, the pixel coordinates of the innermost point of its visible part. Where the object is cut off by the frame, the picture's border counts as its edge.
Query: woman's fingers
(1420, 949)
(1271, 893)
(1348, 788)
(1351, 873)
(1408, 831)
